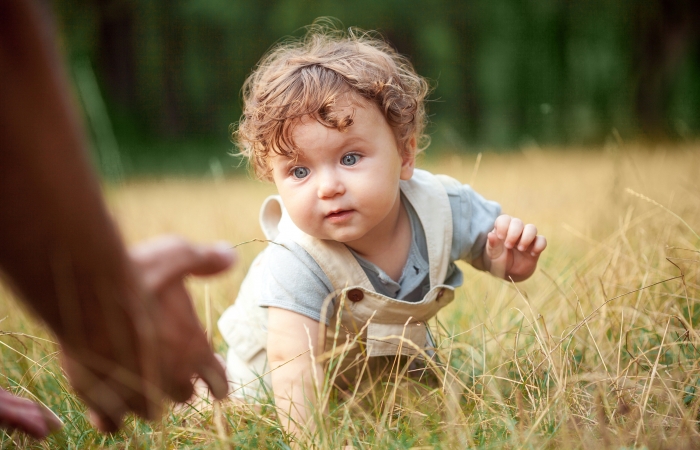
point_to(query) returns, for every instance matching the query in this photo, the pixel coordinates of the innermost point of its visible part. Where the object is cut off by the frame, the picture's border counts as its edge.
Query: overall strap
(426, 193)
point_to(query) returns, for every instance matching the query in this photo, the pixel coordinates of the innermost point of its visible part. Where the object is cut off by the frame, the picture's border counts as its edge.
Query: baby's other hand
(512, 249)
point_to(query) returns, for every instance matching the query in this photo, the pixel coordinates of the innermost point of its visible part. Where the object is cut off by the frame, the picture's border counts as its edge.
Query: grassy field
(597, 350)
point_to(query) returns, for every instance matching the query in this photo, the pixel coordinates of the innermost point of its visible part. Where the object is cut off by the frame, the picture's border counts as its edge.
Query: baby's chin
(343, 238)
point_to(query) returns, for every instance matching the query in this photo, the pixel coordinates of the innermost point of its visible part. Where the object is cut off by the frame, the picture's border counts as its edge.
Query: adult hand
(513, 249)
(171, 346)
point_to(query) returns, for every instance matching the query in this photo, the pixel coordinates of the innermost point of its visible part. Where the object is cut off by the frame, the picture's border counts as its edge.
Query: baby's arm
(295, 377)
(512, 249)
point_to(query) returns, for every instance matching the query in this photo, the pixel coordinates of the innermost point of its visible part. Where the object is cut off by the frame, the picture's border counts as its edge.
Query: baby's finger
(494, 245)
(496, 254)
(538, 246)
(528, 236)
(515, 230)
(500, 226)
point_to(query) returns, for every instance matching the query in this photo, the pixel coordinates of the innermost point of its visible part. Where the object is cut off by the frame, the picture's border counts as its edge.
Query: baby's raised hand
(512, 249)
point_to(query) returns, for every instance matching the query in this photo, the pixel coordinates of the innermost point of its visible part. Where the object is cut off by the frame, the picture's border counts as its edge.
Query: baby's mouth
(339, 216)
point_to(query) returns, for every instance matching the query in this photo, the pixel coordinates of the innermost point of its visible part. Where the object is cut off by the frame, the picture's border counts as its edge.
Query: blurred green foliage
(505, 72)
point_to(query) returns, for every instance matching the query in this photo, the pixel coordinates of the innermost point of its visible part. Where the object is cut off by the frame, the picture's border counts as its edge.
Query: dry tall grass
(599, 349)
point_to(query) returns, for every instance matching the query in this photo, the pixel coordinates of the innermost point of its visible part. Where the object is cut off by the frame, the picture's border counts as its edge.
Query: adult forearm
(126, 323)
(55, 227)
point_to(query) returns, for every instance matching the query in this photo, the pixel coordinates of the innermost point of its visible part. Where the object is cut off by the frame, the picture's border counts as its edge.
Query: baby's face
(343, 186)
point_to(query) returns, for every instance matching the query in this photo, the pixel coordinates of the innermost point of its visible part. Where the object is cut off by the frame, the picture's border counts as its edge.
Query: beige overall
(364, 321)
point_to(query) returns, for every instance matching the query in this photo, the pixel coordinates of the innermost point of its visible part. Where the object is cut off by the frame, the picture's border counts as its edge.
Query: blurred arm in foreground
(125, 322)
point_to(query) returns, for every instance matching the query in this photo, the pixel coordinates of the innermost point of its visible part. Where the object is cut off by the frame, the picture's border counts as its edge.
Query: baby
(364, 243)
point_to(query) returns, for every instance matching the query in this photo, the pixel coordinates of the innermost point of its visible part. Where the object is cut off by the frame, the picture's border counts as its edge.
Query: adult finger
(27, 419)
(212, 259)
(104, 422)
(197, 359)
(106, 401)
(51, 419)
(165, 259)
(17, 413)
(181, 341)
(110, 400)
(179, 389)
(175, 257)
(515, 230)
(214, 374)
(106, 410)
(501, 226)
(528, 236)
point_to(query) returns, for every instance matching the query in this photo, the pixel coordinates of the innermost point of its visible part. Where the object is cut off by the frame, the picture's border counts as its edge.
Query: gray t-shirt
(292, 280)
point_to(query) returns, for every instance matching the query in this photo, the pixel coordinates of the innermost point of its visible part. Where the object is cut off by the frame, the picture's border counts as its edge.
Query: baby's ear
(408, 159)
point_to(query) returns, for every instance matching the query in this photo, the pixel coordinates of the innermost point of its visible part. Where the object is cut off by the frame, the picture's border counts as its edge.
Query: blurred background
(159, 80)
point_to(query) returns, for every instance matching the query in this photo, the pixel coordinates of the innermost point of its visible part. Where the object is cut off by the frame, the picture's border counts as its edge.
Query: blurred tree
(505, 72)
(668, 32)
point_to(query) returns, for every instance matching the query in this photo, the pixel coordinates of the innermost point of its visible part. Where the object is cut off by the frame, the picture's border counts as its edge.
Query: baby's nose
(329, 185)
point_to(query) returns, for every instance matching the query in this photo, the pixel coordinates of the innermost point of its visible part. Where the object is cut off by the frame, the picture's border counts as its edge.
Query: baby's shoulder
(425, 180)
(455, 189)
(289, 267)
(285, 252)
(289, 278)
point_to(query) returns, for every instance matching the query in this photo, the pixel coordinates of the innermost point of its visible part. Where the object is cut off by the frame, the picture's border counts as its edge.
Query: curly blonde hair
(305, 77)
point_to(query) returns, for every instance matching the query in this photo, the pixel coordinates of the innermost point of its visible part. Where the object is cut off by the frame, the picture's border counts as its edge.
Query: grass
(599, 349)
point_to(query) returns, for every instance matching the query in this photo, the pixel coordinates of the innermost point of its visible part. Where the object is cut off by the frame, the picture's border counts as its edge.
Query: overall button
(355, 295)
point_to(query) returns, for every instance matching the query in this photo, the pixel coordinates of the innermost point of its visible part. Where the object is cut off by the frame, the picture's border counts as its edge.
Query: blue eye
(350, 159)
(300, 172)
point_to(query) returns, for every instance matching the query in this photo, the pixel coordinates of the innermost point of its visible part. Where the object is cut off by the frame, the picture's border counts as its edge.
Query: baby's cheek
(309, 222)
